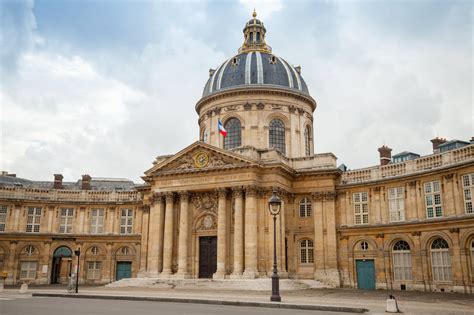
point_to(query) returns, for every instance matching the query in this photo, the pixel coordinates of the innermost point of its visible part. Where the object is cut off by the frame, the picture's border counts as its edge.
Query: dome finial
(254, 14)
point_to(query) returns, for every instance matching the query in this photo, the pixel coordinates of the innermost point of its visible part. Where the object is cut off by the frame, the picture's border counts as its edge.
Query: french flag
(221, 128)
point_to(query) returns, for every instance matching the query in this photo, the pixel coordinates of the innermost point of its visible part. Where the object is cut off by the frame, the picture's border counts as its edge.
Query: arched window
(94, 250)
(307, 140)
(306, 252)
(305, 207)
(472, 256)
(204, 135)
(364, 246)
(277, 135)
(234, 134)
(440, 260)
(401, 261)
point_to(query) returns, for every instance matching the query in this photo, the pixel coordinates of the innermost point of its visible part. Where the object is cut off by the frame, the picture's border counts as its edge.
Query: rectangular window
(361, 208)
(396, 205)
(97, 221)
(33, 220)
(3, 217)
(28, 269)
(402, 265)
(433, 200)
(93, 270)
(468, 187)
(67, 215)
(126, 221)
(441, 265)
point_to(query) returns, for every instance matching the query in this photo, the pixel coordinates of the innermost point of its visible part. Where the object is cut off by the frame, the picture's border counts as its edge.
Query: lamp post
(78, 254)
(274, 206)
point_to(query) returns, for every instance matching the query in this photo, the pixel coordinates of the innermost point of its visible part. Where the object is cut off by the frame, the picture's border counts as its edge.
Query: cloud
(16, 33)
(264, 8)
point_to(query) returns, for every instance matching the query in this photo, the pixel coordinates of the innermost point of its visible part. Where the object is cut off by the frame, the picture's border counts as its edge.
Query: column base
(165, 274)
(237, 275)
(182, 275)
(219, 275)
(147, 274)
(250, 275)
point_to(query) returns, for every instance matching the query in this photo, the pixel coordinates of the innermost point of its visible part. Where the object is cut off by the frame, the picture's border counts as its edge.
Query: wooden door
(207, 256)
(124, 270)
(365, 274)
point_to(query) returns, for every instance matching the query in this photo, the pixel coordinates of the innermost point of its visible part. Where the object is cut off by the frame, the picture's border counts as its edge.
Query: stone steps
(260, 284)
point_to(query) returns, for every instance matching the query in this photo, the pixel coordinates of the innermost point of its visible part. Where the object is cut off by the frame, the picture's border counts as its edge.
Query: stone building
(407, 223)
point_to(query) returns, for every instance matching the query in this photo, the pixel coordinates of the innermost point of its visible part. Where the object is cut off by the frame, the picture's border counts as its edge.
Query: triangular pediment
(200, 157)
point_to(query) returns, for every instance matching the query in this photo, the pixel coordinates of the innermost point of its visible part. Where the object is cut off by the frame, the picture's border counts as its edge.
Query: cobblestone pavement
(410, 302)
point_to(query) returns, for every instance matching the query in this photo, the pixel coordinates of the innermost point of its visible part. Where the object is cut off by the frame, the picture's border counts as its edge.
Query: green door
(365, 274)
(124, 270)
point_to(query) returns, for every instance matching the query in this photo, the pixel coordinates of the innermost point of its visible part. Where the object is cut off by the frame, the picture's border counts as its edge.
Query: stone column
(183, 236)
(332, 272)
(221, 234)
(110, 220)
(11, 264)
(144, 253)
(318, 243)
(238, 233)
(155, 241)
(168, 236)
(251, 232)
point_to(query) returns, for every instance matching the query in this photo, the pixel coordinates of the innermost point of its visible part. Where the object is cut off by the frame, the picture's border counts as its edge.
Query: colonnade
(161, 233)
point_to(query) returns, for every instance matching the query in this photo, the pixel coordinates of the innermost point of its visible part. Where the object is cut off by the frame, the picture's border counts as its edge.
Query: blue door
(365, 274)
(124, 270)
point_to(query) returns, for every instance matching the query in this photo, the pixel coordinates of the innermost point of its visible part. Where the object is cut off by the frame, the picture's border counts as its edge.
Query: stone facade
(203, 212)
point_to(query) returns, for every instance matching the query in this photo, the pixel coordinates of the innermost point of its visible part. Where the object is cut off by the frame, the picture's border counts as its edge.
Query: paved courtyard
(409, 302)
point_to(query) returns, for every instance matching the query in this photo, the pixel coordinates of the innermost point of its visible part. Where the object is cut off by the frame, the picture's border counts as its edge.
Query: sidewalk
(343, 300)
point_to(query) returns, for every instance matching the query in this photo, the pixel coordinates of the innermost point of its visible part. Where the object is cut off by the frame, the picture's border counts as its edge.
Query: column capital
(237, 191)
(324, 195)
(184, 195)
(221, 192)
(156, 198)
(251, 190)
(169, 196)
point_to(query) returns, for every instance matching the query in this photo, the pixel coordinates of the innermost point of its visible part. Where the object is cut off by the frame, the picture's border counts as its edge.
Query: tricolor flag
(221, 128)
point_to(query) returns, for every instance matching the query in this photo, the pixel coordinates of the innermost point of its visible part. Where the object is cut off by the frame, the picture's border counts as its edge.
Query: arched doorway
(62, 265)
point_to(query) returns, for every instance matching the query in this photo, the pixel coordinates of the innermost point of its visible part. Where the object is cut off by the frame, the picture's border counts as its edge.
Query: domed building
(406, 224)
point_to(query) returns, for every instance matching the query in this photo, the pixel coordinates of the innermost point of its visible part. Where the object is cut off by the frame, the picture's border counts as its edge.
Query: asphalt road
(53, 306)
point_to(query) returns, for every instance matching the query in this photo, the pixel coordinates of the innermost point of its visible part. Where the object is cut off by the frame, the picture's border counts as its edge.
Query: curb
(207, 301)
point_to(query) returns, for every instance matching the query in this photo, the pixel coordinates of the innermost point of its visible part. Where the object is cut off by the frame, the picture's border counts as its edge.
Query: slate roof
(255, 68)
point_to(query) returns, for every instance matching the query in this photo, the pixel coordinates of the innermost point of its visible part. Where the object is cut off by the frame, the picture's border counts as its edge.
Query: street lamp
(78, 254)
(274, 206)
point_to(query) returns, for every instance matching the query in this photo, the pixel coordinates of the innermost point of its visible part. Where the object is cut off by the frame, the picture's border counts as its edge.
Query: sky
(103, 87)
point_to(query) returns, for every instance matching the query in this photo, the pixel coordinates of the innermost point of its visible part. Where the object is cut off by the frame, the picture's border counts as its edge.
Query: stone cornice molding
(255, 90)
(324, 195)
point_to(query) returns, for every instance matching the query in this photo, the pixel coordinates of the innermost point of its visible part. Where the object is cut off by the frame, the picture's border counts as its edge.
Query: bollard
(392, 305)
(24, 288)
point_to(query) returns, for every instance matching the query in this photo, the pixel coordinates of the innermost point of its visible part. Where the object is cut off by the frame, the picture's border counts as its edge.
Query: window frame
(468, 192)
(95, 272)
(126, 221)
(277, 135)
(3, 217)
(396, 204)
(359, 203)
(307, 140)
(433, 195)
(66, 220)
(306, 251)
(307, 210)
(28, 270)
(95, 226)
(402, 268)
(33, 219)
(233, 126)
(440, 272)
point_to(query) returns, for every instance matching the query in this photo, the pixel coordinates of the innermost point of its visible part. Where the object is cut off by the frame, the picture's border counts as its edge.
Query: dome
(255, 68)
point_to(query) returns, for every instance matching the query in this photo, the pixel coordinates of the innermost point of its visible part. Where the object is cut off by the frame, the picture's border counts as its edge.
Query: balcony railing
(425, 163)
(20, 193)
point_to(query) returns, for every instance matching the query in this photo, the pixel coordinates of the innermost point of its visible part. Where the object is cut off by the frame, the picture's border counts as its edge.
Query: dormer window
(235, 61)
(273, 60)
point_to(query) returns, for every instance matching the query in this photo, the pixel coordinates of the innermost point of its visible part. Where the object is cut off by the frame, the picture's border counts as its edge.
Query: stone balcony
(412, 167)
(76, 196)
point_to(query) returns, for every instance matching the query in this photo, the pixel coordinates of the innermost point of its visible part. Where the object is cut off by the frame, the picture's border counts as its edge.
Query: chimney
(58, 181)
(385, 155)
(86, 182)
(436, 142)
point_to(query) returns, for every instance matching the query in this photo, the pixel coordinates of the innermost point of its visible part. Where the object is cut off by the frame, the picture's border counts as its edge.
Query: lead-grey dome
(255, 68)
